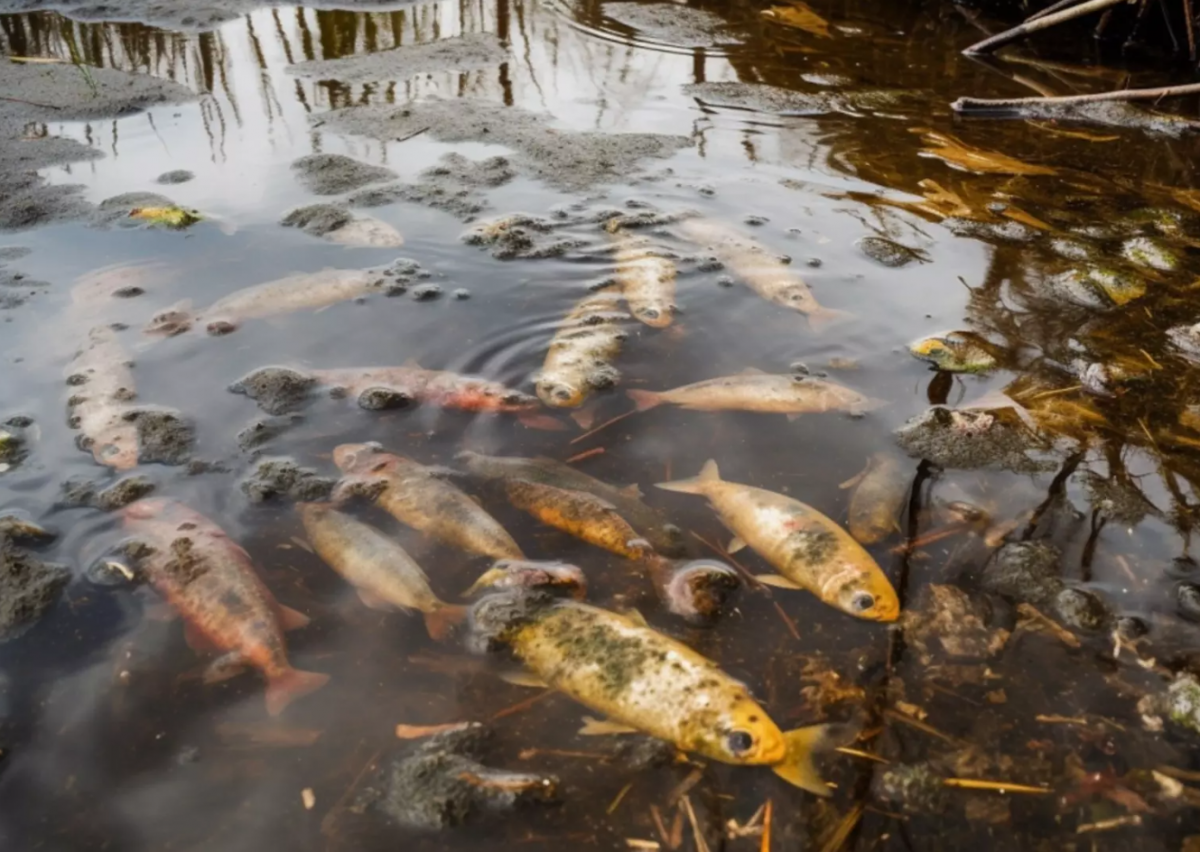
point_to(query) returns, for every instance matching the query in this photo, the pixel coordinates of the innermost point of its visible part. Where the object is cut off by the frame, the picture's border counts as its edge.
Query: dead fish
(646, 682)
(555, 577)
(580, 514)
(807, 548)
(385, 576)
(647, 280)
(664, 537)
(441, 388)
(878, 498)
(300, 292)
(762, 271)
(580, 357)
(100, 406)
(211, 582)
(414, 495)
(754, 390)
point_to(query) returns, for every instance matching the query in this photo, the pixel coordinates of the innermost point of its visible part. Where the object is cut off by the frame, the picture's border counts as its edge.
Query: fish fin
(374, 601)
(292, 684)
(541, 422)
(695, 485)
(224, 667)
(197, 640)
(520, 677)
(584, 417)
(735, 544)
(778, 581)
(291, 619)
(752, 371)
(635, 615)
(632, 491)
(604, 727)
(823, 318)
(797, 767)
(442, 621)
(860, 476)
(643, 400)
(486, 579)
(225, 226)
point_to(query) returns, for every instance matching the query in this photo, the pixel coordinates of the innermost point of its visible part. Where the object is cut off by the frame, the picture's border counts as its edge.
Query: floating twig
(766, 834)
(697, 834)
(684, 787)
(967, 106)
(603, 425)
(521, 705)
(997, 786)
(1109, 824)
(746, 573)
(620, 797)
(1030, 613)
(865, 755)
(896, 715)
(842, 832)
(586, 454)
(1032, 26)
(791, 625)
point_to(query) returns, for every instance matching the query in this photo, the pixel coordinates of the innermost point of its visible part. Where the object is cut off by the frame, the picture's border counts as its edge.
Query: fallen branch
(966, 106)
(1034, 25)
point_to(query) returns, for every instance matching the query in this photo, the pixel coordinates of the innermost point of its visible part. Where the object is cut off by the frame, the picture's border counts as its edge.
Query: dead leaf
(971, 159)
(799, 16)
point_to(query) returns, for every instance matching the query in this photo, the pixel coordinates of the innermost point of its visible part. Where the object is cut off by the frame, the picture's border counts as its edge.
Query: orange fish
(210, 580)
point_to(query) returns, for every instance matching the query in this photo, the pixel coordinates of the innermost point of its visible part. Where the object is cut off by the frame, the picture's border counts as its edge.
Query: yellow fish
(647, 280)
(807, 548)
(754, 390)
(579, 360)
(646, 682)
(878, 498)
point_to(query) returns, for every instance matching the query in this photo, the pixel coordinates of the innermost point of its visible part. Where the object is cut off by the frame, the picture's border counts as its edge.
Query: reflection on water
(1070, 249)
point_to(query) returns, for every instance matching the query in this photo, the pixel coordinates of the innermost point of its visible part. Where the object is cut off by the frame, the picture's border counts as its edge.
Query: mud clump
(682, 26)
(949, 623)
(971, 440)
(463, 53)
(79, 493)
(887, 252)
(264, 430)
(175, 177)
(334, 174)
(914, 789)
(1025, 571)
(12, 447)
(18, 528)
(520, 235)
(1180, 703)
(15, 286)
(455, 185)
(384, 399)
(1081, 610)
(277, 390)
(318, 219)
(53, 94)
(29, 587)
(283, 477)
(164, 436)
(439, 783)
(564, 159)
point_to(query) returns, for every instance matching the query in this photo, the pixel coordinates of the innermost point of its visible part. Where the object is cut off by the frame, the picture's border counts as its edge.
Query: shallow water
(113, 743)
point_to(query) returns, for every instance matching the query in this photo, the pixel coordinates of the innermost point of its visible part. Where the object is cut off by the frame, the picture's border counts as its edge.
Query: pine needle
(766, 835)
(997, 786)
(616, 803)
(838, 838)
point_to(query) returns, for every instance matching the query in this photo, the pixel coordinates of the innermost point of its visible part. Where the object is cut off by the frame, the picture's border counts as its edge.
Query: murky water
(113, 742)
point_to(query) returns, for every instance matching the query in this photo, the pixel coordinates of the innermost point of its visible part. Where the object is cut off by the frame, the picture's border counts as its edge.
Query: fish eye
(650, 313)
(862, 601)
(739, 742)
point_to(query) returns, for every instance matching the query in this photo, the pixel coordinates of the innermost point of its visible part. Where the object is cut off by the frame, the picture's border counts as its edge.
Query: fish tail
(291, 684)
(443, 620)
(696, 485)
(822, 318)
(797, 767)
(644, 399)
